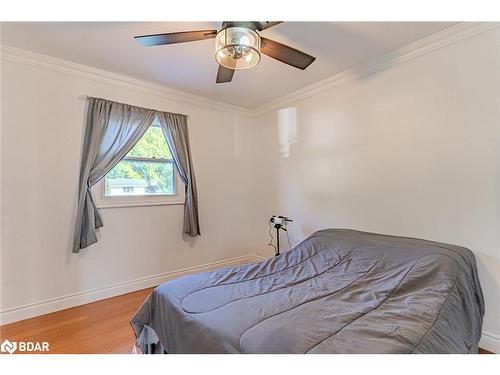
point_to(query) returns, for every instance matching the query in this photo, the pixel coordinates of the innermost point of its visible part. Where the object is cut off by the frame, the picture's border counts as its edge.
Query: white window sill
(123, 201)
(145, 203)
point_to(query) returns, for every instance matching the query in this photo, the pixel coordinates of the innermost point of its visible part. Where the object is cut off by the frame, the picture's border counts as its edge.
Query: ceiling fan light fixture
(237, 48)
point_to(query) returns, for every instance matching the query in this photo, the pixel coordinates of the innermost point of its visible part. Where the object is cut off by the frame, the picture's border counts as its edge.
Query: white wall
(412, 150)
(42, 127)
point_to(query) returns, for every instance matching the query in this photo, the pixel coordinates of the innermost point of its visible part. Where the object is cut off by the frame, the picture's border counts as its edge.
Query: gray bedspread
(339, 291)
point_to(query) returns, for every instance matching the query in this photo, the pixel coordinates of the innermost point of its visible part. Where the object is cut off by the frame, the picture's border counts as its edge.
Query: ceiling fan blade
(224, 74)
(285, 54)
(171, 38)
(267, 24)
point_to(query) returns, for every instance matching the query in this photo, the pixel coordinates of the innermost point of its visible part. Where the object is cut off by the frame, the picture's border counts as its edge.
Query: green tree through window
(146, 170)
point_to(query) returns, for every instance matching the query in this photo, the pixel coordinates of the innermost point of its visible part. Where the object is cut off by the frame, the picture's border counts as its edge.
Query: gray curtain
(112, 129)
(175, 129)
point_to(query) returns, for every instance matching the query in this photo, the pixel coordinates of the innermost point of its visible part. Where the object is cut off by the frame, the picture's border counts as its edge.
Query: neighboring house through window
(145, 176)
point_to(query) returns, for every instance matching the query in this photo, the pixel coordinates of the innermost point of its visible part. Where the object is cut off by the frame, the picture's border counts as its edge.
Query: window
(145, 176)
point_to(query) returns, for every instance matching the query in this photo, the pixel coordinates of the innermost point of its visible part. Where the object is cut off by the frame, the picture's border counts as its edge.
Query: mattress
(339, 291)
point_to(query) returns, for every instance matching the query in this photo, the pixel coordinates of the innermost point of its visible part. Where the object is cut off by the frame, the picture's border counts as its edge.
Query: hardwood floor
(483, 351)
(98, 327)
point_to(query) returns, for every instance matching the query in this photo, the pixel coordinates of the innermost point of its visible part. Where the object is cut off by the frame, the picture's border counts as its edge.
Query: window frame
(103, 201)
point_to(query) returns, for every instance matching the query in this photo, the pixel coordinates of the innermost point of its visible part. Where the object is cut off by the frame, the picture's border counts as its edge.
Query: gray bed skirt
(145, 337)
(339, 291)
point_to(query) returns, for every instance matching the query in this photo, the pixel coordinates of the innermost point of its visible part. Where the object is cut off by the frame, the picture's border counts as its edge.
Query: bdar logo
(9, 347)
(24, 346)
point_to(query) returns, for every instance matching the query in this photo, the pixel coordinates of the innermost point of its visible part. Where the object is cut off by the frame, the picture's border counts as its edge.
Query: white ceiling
(191, 67)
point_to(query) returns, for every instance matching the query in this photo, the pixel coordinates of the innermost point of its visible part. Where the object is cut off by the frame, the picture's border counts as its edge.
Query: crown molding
(55, 64)
(423, 46)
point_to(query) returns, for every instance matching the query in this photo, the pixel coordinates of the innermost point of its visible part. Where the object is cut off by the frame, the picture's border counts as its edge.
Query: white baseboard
(259, 258)
(490, 342)
(71, 300)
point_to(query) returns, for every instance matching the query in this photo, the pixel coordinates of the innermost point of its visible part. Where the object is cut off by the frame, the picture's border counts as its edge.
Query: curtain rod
(86, 97)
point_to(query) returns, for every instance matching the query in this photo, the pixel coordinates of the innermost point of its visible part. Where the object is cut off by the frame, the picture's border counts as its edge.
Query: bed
(339, 291)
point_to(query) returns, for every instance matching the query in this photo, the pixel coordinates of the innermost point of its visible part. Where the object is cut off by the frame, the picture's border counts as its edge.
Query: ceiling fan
(238, 45)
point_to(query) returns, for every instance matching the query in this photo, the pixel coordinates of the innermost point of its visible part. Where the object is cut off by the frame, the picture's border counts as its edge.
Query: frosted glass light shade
(237, 48)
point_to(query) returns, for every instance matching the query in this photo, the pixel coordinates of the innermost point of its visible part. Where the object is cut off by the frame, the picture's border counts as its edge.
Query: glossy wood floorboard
(98, 327)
